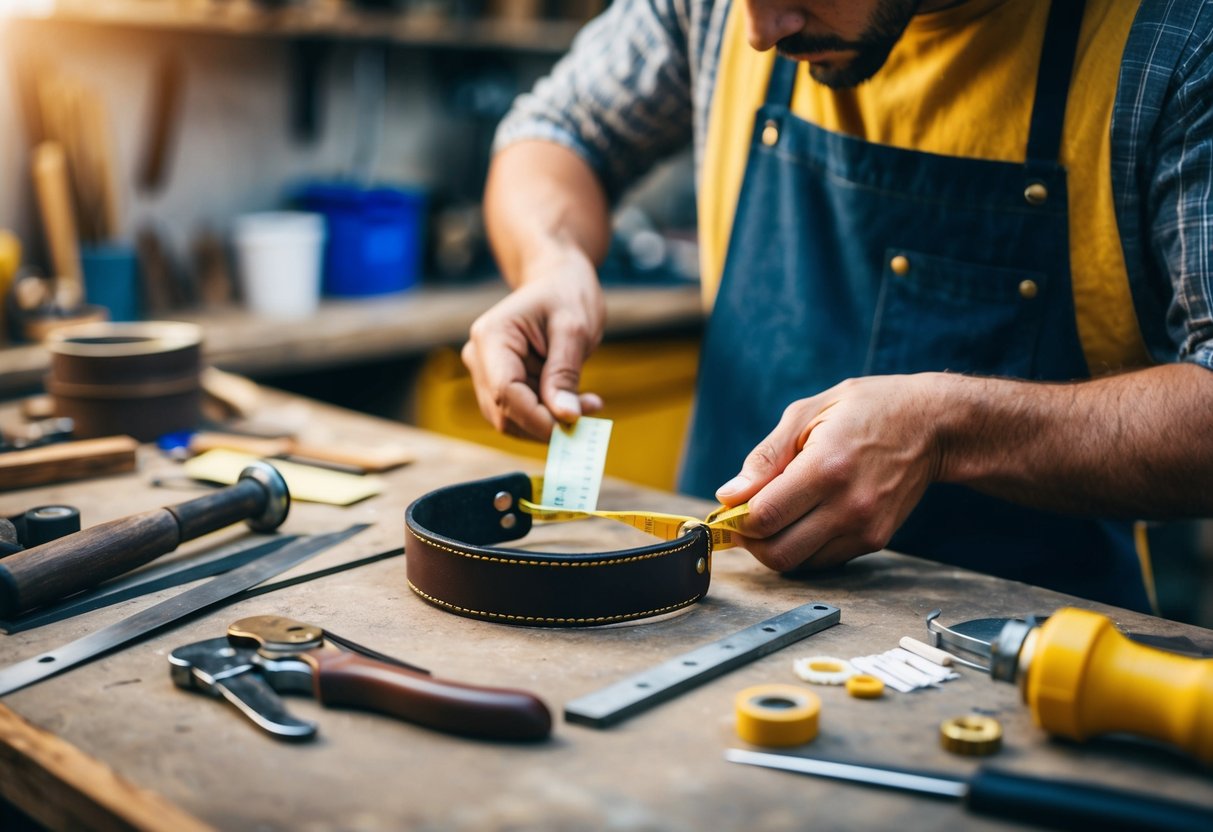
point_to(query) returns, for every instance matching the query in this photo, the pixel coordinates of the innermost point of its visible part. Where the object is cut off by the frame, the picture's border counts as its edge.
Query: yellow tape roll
(777, 715)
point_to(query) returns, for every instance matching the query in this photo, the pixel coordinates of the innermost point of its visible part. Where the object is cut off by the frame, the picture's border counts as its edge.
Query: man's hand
(526, 353)
(840, 473)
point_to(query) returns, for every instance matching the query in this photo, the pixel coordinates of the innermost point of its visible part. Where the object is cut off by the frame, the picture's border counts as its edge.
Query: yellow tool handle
(1086, 679)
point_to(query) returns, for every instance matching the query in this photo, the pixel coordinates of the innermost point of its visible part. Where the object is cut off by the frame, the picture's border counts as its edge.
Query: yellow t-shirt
(960, 82)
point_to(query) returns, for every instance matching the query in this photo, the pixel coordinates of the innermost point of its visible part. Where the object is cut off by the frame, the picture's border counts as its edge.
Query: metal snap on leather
(509, 521)
(900, 265)
(770, 133)
(1027, 289)
(503, 501)
(701, 565)
(1036, 194)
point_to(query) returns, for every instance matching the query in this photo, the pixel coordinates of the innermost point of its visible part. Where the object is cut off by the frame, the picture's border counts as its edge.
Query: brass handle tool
(265, 655)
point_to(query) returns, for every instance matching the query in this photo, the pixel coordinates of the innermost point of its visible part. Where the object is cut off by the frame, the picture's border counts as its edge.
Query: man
(958, 255)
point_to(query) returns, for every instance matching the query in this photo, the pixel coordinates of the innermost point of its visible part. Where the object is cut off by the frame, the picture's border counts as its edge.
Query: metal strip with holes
(650, 687)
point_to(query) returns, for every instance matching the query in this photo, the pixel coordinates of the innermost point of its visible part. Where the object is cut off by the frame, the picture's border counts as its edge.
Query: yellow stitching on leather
(521, 562)
(601, 619)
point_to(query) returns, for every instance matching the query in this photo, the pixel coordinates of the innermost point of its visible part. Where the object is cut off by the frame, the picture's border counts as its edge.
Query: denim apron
(849, 258)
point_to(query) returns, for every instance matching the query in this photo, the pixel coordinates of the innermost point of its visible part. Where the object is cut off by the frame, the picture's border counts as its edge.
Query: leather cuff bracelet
(452, 564)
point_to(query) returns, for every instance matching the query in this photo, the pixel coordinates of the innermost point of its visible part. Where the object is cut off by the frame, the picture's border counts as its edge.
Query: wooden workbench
(114, 743)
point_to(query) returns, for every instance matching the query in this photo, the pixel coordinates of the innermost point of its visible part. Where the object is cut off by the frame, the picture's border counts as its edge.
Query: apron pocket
(934, 313)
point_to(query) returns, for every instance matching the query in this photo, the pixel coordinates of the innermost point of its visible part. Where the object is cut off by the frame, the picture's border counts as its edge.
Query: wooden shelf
(347, 332)
(243, 18)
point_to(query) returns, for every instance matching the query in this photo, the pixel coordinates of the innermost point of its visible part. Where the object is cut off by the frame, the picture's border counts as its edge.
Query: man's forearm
(1134, 445)
(542, 196)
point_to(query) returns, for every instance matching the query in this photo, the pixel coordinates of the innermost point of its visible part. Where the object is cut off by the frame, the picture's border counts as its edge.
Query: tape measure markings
(576, 459)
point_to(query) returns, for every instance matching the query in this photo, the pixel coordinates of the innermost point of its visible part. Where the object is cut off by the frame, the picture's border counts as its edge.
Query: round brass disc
(971, 735)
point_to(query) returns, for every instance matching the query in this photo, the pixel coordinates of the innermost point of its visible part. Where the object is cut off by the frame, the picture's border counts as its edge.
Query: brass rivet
(503, 500)
(900, 265)
(1027, 289)
(770, 133)
(509, 521)
(1036, 194)
(701, 565)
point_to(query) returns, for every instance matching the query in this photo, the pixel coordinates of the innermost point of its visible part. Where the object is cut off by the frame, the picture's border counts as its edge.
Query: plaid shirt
(638, 81)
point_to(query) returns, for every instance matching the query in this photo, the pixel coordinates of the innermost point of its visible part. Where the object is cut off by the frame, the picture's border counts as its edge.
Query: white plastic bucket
(279, 254)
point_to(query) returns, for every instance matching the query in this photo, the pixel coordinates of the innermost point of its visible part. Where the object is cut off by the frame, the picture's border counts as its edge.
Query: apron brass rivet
(503, 501)
(770, 133)
(1036, 194)
(1027, 289)
(900, 265)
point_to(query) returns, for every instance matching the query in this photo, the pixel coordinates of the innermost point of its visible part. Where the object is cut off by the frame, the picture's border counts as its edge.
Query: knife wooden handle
(350, 680)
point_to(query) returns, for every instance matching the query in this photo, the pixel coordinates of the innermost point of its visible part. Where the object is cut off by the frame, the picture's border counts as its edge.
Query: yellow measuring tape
(722, 523)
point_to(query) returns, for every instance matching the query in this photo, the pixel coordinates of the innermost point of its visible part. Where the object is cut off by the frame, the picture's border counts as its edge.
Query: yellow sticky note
(306, 482)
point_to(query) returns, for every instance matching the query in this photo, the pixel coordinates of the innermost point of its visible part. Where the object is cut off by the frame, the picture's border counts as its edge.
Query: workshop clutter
(93, 274)
(376, 236)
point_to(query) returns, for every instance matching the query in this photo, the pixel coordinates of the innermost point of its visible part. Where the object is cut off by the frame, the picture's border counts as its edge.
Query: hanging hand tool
(265, 654)
(214, 591)
(86, 558)
(1058, 804)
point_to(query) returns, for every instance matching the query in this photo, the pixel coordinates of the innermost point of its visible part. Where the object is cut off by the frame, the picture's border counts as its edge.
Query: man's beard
(871, 50)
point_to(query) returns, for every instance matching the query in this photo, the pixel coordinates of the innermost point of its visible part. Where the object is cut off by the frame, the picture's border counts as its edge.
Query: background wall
(234, 148)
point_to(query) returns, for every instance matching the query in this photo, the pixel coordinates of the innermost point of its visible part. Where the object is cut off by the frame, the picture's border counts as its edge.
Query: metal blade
(886, 778)
(216, 668)
(166, 612)
(665, 681)
(254, 698)
(150, 580)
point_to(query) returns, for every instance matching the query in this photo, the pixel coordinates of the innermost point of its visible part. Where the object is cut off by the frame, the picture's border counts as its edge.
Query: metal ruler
(144, 622)
(650, 687)
(572, 475)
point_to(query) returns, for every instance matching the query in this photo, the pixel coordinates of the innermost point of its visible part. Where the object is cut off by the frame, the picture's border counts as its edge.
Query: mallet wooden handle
(78, 561)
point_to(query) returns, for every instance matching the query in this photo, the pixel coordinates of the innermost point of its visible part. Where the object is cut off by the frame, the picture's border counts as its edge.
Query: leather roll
(454, 562)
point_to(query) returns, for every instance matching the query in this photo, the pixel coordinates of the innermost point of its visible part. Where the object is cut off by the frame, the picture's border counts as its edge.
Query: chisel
(1057, 804)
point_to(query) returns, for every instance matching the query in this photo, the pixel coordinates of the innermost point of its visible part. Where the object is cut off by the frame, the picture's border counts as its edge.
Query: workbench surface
(175, 754)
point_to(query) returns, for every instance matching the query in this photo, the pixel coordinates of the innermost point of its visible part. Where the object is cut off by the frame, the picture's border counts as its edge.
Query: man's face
(844, 41)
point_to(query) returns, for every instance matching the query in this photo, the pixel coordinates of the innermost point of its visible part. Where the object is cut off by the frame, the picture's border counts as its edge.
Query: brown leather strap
(452, 565)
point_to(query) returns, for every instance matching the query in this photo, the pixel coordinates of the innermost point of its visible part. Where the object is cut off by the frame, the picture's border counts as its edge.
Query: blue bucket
(375, 237)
